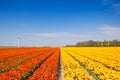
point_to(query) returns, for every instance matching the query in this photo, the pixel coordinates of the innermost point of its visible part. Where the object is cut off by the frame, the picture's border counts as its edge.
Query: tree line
(91, 43)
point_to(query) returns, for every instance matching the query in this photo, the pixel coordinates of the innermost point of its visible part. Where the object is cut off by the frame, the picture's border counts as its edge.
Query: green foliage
(91, 43)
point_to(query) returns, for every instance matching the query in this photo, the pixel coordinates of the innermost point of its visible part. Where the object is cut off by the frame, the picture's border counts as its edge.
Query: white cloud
(54, 38)
(57, 34)
(63, 38)
(110, 30)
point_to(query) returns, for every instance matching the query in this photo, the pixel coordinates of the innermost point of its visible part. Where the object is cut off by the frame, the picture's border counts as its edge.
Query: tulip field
(87, 63)
(65, 63)
(27, 62)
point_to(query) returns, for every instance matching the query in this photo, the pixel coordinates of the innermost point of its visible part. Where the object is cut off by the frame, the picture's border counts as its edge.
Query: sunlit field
(99, 63)
(65, 63)
(28, 63)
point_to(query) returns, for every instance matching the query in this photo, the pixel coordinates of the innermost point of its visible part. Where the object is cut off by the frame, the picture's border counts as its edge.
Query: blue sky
(58, 22)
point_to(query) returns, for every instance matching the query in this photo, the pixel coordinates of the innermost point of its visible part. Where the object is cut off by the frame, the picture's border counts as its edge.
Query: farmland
(79, 63)
(100, 63)
(21, 63)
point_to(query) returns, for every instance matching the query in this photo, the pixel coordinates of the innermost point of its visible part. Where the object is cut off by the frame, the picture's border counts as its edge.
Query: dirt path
(60, 73)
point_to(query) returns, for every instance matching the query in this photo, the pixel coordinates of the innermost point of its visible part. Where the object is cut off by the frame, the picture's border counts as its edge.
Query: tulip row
(72, 69)
(43, 63)
(6, 53)
(14, 61)
(111, 56)
(95, 60)
(20, 70)
(48, 69)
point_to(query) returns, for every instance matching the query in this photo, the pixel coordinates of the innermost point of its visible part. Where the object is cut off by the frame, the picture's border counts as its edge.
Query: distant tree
(91, 43)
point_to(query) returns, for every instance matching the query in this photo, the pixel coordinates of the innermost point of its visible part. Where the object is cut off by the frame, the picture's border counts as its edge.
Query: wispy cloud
(116, 7)
(110, 30)
(112, 4)
(107, 2)
(56, 34)
(63, 38)
(55, 38)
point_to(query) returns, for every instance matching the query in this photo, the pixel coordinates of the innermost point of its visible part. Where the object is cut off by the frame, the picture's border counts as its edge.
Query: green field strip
(99, 62)
(30, 73)
(8, 69)
(83, 66)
